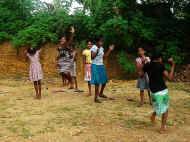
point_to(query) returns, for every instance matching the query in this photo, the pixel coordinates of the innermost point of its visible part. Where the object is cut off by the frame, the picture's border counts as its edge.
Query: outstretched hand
(25, 51)
(111, 47)
(72, 30)
(171, 61)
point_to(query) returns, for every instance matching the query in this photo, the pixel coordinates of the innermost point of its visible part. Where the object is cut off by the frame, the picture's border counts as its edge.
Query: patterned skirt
(65, 66)
(99, 75)
(160, 101)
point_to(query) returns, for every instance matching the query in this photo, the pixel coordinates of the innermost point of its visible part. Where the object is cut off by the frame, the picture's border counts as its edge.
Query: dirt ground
(73, 117)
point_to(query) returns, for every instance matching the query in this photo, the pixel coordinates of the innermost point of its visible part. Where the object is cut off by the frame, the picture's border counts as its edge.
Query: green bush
(126, 63)
(4, 36)
(113, 29)
(171, 49)
(33, 36)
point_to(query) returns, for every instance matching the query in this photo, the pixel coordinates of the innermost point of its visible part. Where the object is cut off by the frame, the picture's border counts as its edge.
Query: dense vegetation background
(153, 24)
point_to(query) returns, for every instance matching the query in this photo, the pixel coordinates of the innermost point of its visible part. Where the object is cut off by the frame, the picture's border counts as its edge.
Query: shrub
(126, 63)
(114, 28)
(4, 36)
(33, 36)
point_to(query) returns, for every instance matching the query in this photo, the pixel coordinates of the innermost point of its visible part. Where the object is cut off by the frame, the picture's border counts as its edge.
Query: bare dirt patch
(72, 117)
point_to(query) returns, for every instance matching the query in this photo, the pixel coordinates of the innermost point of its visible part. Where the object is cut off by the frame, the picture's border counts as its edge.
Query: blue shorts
(142, 83)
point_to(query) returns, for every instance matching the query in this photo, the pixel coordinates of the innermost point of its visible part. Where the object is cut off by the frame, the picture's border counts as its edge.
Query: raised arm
(72, 36)
(26, 55)
(58, 55)
(94, 54)
(74, 55)
(111, 48)
(170, 75)
(94, 51)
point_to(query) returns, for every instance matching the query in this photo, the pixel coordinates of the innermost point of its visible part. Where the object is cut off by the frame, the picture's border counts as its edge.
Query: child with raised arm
(35, 72)
(87, 60)
(65, 58)
(99, 75)
(159, 91)
(142, 82)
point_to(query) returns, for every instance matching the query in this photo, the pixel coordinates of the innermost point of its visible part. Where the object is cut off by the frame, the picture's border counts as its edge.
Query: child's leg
(63, 79)
(39, 89)
(150, 98)
(164, 120)
(70, 79)
(76, 83)
(96, 93)
(153, 117)
(36, 88)
(102, 91)
(89, 88)
(141, 97)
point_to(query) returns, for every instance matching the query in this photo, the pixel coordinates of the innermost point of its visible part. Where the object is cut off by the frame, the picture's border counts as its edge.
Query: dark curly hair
(31, 51)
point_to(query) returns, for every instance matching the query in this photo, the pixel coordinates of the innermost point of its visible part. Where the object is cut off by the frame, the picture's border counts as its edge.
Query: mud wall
(14, 64)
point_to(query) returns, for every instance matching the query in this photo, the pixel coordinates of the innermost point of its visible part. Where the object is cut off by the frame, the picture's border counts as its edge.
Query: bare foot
(130, 100)
(163, 130)
(140, 104)
(110, 98)
(97, 101)
(103, 96)
(88, 95)
(37, 98)
(153, 119)
(71, 88)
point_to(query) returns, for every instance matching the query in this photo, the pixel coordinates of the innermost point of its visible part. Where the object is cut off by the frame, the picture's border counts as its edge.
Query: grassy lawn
(72, 117)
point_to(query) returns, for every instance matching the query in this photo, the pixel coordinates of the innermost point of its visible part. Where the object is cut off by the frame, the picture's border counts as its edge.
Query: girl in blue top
(99, 75)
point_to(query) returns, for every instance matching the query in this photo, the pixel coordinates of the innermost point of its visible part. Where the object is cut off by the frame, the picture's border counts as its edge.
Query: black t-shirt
(155, 73)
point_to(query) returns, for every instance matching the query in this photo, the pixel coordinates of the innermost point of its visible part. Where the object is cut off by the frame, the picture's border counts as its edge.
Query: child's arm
(170, 75)
(72, 36)
(26, 55)
(58, 55)
(57, 58)
(75, 55)
(94, 53)
(84, 59)
(38, 49)
(111, 48)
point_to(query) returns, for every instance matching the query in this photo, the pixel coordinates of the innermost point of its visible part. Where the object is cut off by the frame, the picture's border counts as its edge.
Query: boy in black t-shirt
(160, 98)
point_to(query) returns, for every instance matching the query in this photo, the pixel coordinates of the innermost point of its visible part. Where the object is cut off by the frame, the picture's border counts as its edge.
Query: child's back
(155, 73)
(35, 73)
(34, 58)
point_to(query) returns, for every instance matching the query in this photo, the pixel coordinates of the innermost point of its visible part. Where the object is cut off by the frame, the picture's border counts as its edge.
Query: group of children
(95, 71)
(151, 72)
(93, 56)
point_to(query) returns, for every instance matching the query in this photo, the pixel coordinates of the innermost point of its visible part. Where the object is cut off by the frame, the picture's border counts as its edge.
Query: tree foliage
(161, 24)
